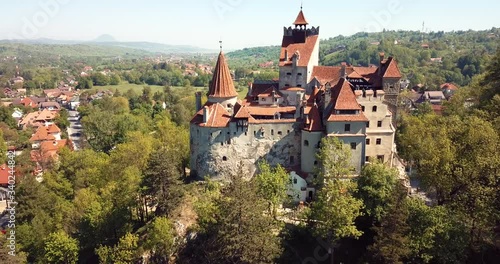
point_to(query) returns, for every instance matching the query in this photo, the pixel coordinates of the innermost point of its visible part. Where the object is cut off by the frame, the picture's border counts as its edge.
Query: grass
(125, 86)
(243, 93)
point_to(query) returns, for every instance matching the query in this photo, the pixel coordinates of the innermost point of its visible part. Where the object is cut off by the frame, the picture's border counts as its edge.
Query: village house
(45, 133)
(37, 119)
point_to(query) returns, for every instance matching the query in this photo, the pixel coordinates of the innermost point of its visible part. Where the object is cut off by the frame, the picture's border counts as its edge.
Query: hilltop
(425, 58)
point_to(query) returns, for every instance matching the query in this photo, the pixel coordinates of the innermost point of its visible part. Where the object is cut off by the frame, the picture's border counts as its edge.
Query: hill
(429, 59)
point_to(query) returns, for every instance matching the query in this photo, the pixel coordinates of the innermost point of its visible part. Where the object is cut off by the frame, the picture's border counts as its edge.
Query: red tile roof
(343, 97)
(222, 83)
(300, 20)
(348, 118)
(449, 86)
(269, 91)
(243, 114)
(313, 123)
(391, 69)
(258, 110)
(4, 175)
(217, 116)
(258, 88)
(305, 50)
(42, 134)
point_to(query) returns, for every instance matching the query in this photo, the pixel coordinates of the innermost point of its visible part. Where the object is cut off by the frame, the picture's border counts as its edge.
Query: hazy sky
(240, 23)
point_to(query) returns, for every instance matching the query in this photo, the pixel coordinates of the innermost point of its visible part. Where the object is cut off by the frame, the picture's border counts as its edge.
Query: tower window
(315, 162)
(353, 145)
(379, 124)
(299, 85)
(224, 158)
(280, 133)
(347, 127)
(294, 180)
(272, 132)
(368, 124)
(306, 143)
(367, 158)
(299, 74)
(374, 108)
(379, 141)
(367, 141)
(363, 108)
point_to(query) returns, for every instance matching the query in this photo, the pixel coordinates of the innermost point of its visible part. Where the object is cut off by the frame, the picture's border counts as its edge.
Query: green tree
(125, 252)
(160, 240)
(61, 248)
(391, 243)
(272, 184)
(335, 160)
(162, 180)
(376, 185)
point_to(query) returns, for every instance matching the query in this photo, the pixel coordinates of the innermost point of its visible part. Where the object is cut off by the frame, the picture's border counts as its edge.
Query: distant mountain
(108, 40)
(105, 38)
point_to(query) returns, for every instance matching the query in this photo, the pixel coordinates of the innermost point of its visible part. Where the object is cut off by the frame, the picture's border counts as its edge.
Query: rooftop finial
(301, 2)
(220, 42)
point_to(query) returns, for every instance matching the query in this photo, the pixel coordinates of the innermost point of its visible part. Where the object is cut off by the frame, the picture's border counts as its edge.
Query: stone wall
(219, 152)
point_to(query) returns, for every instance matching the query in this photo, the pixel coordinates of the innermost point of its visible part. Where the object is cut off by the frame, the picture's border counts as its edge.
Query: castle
(283, 121)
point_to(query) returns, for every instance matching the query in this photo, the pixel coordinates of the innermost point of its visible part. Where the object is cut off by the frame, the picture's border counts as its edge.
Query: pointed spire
(222, 85)
(301, 19)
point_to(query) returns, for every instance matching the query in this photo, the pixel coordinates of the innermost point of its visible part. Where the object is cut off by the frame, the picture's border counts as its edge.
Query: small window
(286, 84)
(292, 159)
(263, 99)
(315, 162)
(306, 143)
(276, 99)
(288, 131)
(299, 85)
(368, 124)
(254, 133)
(367, 141)
(379, 124)
(224, 158)
(379, 141)
(380, 158)
(363, 108)
(294, 180)
(222, 143)
(262, 133)
(367, 158)
(272, 132)
(353, 145)
(246, 133)
(299, 74)
(347, 127)
(374, 108)
(288, 73)
(280, 133)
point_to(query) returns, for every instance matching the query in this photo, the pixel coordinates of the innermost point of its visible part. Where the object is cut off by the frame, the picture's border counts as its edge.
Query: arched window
(374, 108)
(306, 143)
(294, 180)
(224, 158)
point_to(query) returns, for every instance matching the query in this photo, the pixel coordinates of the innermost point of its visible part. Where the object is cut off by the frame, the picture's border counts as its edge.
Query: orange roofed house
(283, 121)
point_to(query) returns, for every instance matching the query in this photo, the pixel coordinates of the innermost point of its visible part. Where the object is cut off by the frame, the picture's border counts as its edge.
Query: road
(75, 130)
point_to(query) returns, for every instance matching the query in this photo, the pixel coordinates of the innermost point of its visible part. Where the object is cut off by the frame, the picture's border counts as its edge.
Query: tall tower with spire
(221, 89)
(299, 53)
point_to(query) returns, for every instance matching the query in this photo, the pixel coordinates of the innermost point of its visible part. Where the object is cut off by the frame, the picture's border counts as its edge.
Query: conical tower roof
(301, 19)
(222, 85)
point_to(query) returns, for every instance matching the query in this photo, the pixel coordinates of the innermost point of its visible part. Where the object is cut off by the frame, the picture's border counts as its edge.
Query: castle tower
(221, 88)
(299, 53)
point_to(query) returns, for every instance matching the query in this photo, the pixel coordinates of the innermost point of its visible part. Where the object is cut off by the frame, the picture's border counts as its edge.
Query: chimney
(382, 55)
(205, 114)
(286, 55)
(198, 101)
(343, 72)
